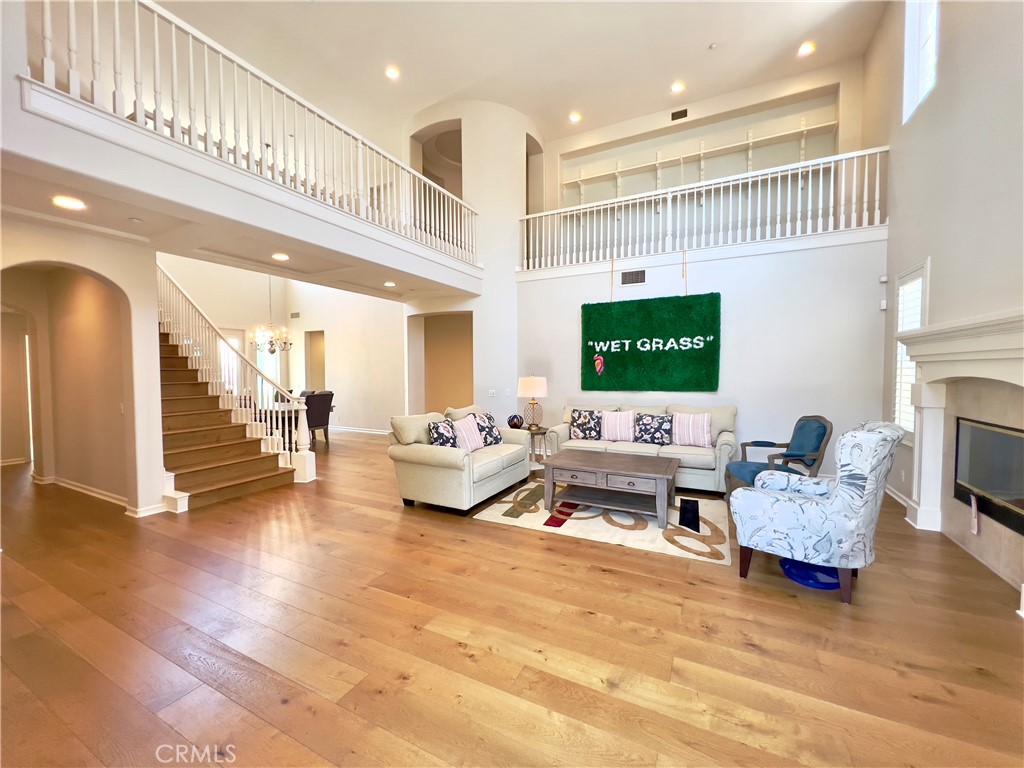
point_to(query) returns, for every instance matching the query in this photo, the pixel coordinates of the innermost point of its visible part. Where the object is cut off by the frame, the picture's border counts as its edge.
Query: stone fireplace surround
(972, 368)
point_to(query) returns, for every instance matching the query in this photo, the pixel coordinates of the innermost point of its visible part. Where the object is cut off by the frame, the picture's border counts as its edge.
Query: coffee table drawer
(575, 476)
(627, 483)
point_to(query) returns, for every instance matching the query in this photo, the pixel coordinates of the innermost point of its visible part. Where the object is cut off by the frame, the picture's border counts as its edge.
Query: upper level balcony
(126, 101)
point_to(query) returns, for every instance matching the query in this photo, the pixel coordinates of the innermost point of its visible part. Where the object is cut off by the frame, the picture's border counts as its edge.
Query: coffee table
(624, 481)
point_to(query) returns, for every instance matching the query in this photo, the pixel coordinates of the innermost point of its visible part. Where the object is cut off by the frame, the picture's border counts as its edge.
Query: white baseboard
(89, 490)
(153, 509)
(40, 480)
(898, 496)
(9, 462)
(335, 428)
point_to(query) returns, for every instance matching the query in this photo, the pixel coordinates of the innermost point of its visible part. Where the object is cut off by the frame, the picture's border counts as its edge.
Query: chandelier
(268, 337)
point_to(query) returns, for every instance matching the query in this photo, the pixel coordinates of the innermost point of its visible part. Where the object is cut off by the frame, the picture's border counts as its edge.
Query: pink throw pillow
(691, 429)
(467, 434)
(617, 425)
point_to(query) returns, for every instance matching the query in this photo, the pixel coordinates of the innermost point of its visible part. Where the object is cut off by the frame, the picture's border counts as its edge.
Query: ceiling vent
(679, 114)
(635, 277)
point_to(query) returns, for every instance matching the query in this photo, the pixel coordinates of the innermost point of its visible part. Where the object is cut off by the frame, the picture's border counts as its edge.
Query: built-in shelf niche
(804, 130)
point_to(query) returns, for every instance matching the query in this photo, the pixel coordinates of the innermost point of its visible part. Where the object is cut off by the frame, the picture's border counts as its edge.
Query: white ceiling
(610, 61)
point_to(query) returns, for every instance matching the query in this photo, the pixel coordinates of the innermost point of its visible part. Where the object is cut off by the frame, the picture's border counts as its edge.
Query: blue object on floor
(810, 575)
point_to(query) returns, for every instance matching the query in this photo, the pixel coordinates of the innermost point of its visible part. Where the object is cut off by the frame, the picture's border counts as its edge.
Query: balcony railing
(135, 60)
(830, 194)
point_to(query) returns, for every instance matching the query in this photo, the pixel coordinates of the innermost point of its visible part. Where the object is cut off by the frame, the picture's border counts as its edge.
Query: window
(920, 52)
(909, 315)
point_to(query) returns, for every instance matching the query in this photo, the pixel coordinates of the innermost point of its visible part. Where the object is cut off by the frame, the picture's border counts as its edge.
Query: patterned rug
(523, 507)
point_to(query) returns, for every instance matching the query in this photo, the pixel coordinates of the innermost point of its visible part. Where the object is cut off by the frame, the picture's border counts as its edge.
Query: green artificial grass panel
(669, 344)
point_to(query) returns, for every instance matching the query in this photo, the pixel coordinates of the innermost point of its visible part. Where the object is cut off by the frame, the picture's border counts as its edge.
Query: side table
(537, 438)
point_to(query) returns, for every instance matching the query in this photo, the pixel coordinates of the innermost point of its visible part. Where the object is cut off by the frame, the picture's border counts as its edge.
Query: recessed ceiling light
(70, 203)
(678, 86)
(392, 73)
(135, 220)
(712, 46)
(806, 48)
(575, 117)
(390, 284)
(280, 257)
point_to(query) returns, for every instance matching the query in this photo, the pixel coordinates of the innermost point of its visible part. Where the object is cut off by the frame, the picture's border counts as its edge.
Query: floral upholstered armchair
(828, 522)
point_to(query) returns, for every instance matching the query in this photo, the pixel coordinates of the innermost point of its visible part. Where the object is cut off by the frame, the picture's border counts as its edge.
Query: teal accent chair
(806, 448)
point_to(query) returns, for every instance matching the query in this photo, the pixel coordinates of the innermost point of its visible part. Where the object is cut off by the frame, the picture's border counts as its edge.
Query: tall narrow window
(909, 316)
(920, 52)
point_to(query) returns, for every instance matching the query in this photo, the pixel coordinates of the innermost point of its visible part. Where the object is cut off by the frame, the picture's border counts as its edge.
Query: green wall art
(669, 344)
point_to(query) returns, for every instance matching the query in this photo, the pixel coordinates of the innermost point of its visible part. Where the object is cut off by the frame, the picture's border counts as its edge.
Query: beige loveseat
(699, 468)
(452, 477)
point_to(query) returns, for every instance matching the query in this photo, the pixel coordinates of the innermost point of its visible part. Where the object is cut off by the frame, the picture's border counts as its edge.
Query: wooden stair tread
(186, 397)
(229, 483)
(225, 444)
(220, 462)
(190, 430)
(196, 413)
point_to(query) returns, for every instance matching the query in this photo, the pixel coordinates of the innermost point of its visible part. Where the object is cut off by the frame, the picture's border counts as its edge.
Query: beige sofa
(699, 468)
(452, 477)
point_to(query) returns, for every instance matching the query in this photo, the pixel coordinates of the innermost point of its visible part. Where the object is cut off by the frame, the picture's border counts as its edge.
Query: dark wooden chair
(318, 413)
(806, 447)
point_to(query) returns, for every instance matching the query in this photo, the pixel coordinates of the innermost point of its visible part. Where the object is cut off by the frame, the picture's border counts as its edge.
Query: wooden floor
(327, 624)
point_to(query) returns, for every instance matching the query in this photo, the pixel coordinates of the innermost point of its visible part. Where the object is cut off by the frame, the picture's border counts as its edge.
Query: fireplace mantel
(988, 347)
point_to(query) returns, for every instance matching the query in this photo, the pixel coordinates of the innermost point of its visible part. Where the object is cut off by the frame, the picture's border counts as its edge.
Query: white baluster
(118, 95)
(74, 80)
(878, 190)
(223, 112)
(789, 203)
(842, 196)
(831, 196)
(207, 102)
(193, 128)
(864, 215)
(237, 123)
(175, 105)
(307, 187)
(94, 86)
(158, 105)
(250, 142)
(49, 68)
(140, 107)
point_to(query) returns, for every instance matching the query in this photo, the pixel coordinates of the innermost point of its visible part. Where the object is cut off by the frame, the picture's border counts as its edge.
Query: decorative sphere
(515, 421)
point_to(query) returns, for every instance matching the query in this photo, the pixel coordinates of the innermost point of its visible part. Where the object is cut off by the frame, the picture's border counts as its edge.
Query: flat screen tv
(990, 467)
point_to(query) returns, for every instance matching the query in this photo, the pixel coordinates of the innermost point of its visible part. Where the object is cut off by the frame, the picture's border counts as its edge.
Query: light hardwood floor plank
(327, 623)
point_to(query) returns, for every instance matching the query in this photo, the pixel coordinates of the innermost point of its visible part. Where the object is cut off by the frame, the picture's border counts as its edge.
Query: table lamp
(533, 387)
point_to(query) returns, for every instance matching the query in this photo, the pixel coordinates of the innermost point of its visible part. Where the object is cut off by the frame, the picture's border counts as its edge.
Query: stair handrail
(280, 434)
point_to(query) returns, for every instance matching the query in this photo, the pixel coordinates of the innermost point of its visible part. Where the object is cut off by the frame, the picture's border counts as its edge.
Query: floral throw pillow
(442, 433)
(652, 428)
(585, 425)
(488, 429)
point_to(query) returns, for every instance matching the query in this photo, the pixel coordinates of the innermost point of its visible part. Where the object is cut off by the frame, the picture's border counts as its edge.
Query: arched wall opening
(93, 328)
(436, 151)
(81, 371)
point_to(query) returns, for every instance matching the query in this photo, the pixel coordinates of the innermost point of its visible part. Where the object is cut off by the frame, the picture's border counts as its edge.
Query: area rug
(524, 508)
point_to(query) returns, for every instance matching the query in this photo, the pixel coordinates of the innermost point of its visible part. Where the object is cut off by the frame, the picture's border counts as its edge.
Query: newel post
(303, 460)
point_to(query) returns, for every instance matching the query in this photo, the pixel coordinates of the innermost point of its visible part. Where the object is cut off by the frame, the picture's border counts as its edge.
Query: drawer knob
(572, 476)
(630, 483)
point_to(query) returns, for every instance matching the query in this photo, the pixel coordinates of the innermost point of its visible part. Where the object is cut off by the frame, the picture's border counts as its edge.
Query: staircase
(210, 457)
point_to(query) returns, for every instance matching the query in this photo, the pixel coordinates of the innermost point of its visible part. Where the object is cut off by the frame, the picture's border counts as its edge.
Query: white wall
(364, 352)
(800, 332)
(955, 193)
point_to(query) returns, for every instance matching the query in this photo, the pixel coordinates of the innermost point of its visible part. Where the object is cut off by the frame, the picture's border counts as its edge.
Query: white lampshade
(533, 386)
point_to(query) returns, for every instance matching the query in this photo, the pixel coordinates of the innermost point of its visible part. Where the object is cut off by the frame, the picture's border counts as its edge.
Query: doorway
(316, 369)
(448, 360)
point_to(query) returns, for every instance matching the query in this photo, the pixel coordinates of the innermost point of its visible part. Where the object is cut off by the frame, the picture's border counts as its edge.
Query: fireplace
(972, 369)
(989, 474)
